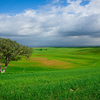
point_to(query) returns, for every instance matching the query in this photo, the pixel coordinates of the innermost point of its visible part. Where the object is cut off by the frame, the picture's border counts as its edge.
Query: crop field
(53, 74)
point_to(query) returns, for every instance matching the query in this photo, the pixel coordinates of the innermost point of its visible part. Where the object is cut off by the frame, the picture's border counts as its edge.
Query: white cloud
(55, 1)
(56, 25)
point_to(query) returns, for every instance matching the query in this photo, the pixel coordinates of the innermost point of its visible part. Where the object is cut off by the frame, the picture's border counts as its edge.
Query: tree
(12, 51)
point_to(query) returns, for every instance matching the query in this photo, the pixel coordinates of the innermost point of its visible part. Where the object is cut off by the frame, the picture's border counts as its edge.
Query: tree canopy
(11, 50)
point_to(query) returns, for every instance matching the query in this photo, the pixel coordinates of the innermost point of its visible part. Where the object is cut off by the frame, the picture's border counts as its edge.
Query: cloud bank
(55, 25)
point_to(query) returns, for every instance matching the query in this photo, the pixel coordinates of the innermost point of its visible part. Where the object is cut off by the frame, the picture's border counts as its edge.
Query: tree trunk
(4, 70)
(0, 64)
(5, 65)
(0, 68)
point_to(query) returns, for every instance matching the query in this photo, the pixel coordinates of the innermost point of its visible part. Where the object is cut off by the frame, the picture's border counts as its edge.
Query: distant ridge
(63, 46)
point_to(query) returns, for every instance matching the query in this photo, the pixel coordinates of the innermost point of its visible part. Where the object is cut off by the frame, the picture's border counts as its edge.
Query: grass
(55, 74)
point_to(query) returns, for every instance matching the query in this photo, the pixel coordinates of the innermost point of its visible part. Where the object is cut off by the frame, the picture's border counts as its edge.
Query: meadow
(53, 74)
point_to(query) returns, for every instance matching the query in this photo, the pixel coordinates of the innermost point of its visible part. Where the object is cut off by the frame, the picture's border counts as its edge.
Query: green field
(53, 74)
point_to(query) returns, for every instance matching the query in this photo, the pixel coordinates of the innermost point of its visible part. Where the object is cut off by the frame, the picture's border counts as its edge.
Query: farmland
(53, 74)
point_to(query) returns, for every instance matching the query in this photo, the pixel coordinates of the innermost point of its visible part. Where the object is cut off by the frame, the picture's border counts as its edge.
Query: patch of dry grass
(52, 63)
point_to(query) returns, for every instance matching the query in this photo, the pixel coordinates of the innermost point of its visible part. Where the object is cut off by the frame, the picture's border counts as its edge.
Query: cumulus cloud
(55, 25)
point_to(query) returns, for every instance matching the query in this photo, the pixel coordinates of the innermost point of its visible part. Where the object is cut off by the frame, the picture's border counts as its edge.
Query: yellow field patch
(52, 63)
(43, 62)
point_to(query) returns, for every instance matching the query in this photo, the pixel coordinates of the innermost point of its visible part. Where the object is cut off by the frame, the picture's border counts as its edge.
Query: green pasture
(53, 74)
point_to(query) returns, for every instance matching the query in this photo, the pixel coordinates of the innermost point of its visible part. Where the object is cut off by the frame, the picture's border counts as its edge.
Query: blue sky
(51, 22)
(17, 6)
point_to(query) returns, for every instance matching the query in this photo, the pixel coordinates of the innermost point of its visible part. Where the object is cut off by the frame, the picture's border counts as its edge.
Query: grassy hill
(53, 74)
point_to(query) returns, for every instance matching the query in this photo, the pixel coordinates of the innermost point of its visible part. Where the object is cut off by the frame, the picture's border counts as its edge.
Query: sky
(51, 22)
